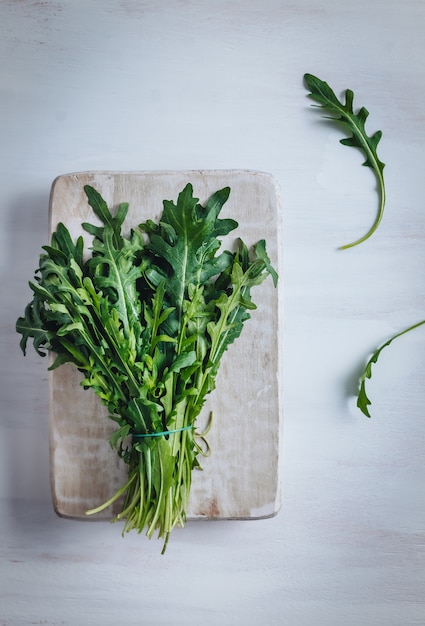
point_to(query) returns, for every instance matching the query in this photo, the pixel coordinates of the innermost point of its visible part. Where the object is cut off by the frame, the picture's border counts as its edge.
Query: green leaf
(144, 415)
(62, 247)
(261, 252)
(354, 123)
(119, 435)
(102, 211)
(183, 360)
(32, 326)
(187, 257)
(114, 272)
(363, 401)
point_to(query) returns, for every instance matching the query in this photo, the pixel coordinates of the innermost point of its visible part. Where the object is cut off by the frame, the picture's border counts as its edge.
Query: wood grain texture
(240, 479)
(161, 85)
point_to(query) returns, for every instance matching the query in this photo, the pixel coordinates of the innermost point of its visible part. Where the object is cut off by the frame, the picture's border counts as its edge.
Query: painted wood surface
(246, 402)
(148, 85)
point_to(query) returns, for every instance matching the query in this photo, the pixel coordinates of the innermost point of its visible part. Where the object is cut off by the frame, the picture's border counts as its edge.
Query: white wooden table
(167, 85)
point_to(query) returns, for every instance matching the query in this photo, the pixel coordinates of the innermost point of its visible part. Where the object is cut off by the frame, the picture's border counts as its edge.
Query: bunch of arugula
(146, 319)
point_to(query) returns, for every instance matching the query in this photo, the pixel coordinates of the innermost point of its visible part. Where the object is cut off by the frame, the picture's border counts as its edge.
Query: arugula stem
(158, 504)
(142, 494)
(374, 227)
(115, 497)
(131, 501)
(182, 457)
(167, 536)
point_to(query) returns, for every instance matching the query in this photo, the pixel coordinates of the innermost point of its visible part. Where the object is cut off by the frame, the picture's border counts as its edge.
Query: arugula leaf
(343, 114)
(31, 326)
(100, 208)
(363, 401)
(184, 243)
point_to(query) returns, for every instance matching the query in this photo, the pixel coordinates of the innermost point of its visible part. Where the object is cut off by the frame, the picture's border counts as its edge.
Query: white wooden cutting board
(241, 477)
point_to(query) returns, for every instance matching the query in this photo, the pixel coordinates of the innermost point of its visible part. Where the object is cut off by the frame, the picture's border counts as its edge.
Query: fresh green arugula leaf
(354, 123)
(100, 208)
(363, 401)
(32, 326)
(188, 255)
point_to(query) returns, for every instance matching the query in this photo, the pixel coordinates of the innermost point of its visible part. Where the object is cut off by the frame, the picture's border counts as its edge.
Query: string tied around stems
(206, 451)
(162, 433)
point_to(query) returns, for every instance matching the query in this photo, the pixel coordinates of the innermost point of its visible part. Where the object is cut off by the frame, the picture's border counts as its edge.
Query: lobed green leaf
(354, 123)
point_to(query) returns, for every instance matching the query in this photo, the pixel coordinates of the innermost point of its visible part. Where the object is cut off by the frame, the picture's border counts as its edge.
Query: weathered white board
(241, 477)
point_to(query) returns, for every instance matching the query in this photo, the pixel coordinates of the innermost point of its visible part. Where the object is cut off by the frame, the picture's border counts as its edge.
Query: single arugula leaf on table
(354, 123)
(363, 401)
